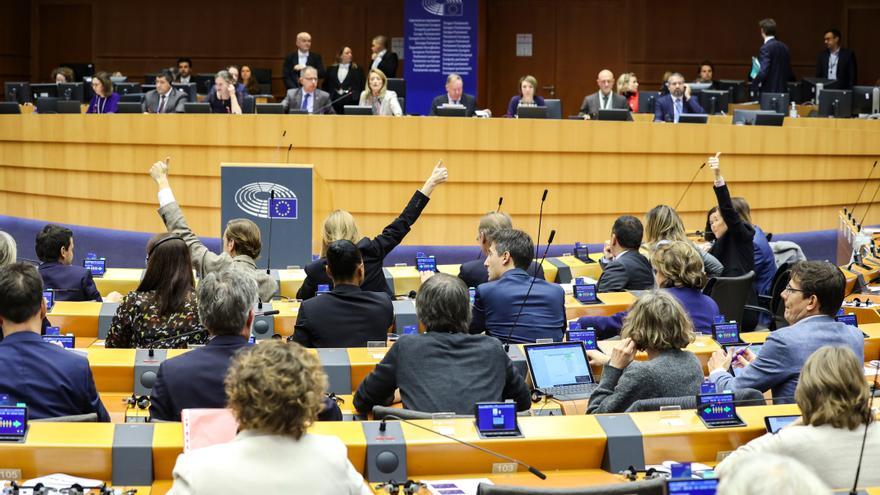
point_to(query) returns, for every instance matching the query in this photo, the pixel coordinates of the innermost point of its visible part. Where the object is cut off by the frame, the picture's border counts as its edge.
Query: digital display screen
(96, 266)
(588, 337)
(707, 387)
(426, 264)
(581, 251)
(252, 340)
(726, 333)
(49, 296)
(776, 423)
(13, 421)
(499, 416)
(410, 329)
(585, 293)
(66, 341)
(323, 289)
(472, 294)
(680, 470)
(555, 365)
(716, 407)
(53, 331)
(574, 325)
(849, 319)
(692, 487)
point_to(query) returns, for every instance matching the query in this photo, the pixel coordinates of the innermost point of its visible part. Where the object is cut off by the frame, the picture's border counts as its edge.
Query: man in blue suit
(775, 61)
(54, 247)
(52, 381)
(669, 107)
(474, 272)
(812, 299)
(497, 302)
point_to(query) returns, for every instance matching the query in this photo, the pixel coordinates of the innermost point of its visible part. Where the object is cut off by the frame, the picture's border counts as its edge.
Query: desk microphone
(865, 215)
(540, 218)
(289, 147)
(335, 100)
(855, 487)
(500, 200)
(269, 247)
(864, 185)
(529, 291)
(531, 469)
(686, 189)
(154, 344)
(278, 147)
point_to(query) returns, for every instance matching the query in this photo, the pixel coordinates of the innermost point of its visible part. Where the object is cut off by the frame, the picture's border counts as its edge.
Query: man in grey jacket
(164, 99)
(241, 239)
(307, 97)
(604, 99)
(812, 299)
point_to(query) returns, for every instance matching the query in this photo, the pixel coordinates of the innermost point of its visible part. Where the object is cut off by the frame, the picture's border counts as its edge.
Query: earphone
(169, 238)
(140, 401)
(407, 487)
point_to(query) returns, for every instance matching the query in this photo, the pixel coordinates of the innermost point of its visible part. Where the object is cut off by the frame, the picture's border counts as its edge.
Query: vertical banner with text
(440, 38)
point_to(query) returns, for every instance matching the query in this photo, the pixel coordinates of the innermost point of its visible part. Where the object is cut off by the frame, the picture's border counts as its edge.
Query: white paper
(524, 45)
(455, 487)
(59, 481)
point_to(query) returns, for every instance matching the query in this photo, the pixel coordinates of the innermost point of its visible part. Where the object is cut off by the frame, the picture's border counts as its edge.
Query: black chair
(731, 294)
(656, 486)
(264, 79)
(743, 397)
(398, 85)
(772, 305)
(9, 107)
(249, 104)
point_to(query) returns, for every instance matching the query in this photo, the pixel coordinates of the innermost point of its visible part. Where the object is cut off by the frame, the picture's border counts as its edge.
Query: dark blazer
(291, 77)
(629, 271)
(497, 303)
(354, 81)
(388, 64)
(373, 252)
(469, 102)
(52, 381)
(72, 283)
(664, 109)
(591, 104)
(443, 372)
(294, 97)
(847, 68)
(735, 249)
(475, 273)
(346, 317)
(174, 101)
(775, 71)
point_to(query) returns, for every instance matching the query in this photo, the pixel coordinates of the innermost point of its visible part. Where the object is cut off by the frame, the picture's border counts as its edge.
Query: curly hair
(276, 388)
(832, 389)
(680, 264)
(657, 322)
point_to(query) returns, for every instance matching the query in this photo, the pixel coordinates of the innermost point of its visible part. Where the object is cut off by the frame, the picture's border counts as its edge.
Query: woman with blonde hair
(658, 325)
(275, 391)
(628, 86)
(834, 399)
(8, 250)
(340, 224)
(378, 96)
(662, 224)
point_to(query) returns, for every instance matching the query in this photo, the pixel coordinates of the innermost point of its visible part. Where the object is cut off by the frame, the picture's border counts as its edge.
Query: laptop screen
(554, 365)
(496, 416)
(65, 341)
(716, 407)
(13, 422)
(776, 423)
(96, 266)
(588, 337)
(585, 293)
(726, 333)
(692, 487)
(849, 319)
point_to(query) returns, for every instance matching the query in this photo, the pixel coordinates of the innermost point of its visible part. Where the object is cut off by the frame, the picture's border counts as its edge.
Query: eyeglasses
(790, 289)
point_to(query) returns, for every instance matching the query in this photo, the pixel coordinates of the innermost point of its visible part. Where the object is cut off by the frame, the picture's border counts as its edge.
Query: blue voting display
(692, 487)
(13, 421)
(496, 417)
(588, 337)
(726, 333)
(585, 293)
(716, 407)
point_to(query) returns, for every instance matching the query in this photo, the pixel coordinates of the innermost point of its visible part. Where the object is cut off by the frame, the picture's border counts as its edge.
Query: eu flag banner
(283, 208)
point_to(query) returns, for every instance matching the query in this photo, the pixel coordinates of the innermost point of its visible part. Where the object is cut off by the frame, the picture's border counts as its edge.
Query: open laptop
(718, 410)
(497, 420)
(561, 370)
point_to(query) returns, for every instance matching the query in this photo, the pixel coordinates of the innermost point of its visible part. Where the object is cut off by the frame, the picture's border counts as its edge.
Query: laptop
(448, 110)
(272, 108)
(586, 294)
(718, 410)
(528, 112)
(726, 333)
(693, 118)
(497, 420)
(615, 114)
(691, 486)
(13, 423)
(357, 110)
(561, 370)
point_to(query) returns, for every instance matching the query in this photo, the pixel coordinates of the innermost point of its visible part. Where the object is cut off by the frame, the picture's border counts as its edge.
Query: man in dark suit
(775, 61)
(836, 62)
(164, 99)
(474, 272)
(307, 97)
(384, 60)
(497, 302)
(455, 96)
(195, 379)
(604, 99)
(347, 316)
(54, 247)
(52, 381)
(669, 107)
(300, 59)
(623, 267)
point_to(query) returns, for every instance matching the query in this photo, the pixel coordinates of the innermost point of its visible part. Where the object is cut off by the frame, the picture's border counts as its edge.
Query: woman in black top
(340, 225)
(733, 235)
(344, 75)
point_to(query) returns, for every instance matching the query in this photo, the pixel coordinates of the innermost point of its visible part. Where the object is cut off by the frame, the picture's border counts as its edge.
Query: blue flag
(283, 208)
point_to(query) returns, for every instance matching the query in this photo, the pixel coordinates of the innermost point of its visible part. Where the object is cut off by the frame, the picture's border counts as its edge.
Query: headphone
(406, 487)
(140, 401)
(858, 302)
(169, 238)
(538, 396)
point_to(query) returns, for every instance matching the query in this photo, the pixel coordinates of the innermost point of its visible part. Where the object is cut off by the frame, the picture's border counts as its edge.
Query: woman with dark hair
(733, 232)
(105, 100)
(249, 80)
(164, 305)
(345, 75)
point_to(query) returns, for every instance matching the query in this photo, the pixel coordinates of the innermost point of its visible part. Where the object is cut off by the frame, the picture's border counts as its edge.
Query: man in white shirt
(303, 57)
(307, 97)
(604, 99)
(384, 60)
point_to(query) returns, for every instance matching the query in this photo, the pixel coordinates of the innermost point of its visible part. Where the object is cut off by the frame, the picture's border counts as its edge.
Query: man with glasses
(670, 107)
(307, 98)
(812, 299)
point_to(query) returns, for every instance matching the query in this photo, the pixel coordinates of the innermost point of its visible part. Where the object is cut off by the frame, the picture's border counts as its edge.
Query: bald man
(604, 99)
(300, 59)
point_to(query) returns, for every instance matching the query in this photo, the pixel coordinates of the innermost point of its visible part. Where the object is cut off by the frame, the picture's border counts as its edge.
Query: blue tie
(677, 109)
(305, 103)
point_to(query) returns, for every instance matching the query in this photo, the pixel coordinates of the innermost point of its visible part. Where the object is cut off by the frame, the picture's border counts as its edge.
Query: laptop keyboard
(572, 392)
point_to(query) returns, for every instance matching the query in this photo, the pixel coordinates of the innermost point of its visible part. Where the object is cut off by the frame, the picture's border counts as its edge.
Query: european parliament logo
(254, 199)
(447, 8)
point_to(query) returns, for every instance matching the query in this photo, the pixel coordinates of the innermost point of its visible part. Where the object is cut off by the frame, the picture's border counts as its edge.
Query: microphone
(531, 469)
(689, 186)
(269, 246)
(540, 218)
(855, 487)
(335, 100)
(267, 313)
(500, 200)
(289, 147)
(154, 344)
(864, 185)
(278, 147)
(529, 291)
(871, 203)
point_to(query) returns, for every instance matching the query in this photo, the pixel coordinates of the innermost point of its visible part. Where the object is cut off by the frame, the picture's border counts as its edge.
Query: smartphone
(49, 296)
(472, 294)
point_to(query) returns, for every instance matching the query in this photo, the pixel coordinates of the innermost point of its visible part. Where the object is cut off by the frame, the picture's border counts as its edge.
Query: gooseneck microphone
(156, 343)
(529, 291)
(870, 204)
(324, 107)
(289, 147)
(269, 246)
(855, 487)
(852, 208)
(531, 469)
(500, 200)
(540, 218)
(686, 189)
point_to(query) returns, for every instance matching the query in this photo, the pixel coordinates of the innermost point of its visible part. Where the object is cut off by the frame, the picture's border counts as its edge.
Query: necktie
(161, 104)
(305, 103)
(605, 102)
(677, 109)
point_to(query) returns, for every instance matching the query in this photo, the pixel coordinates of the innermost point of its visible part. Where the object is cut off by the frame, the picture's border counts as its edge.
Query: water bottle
(792, 112)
